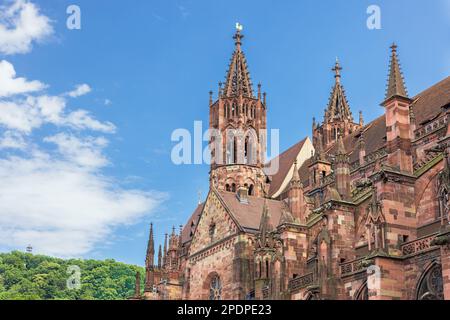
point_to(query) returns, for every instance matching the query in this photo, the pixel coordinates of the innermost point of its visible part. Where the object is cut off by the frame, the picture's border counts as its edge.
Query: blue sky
(149, 66)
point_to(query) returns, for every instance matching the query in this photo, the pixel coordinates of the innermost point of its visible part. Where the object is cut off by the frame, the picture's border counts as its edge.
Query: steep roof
(285, 162)
(248, 215)
(189, 228)
(428, 104)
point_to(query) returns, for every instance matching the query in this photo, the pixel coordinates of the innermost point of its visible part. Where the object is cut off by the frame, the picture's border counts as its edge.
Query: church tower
(398, 118)
(338, 118)
(238, 130)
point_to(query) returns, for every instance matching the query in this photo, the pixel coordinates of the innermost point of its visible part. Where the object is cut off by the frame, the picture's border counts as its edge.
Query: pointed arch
(362, 293)
(212, 287)
(430, 285)
(250, 146)
(230, 145)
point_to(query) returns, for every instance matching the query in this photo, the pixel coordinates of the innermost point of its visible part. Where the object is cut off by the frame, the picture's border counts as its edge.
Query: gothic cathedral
(360, 212)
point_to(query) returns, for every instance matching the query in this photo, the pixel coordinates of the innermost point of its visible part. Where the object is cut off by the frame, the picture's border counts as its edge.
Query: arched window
(431, 285)
(215, 289)
(250, 190)
(231, 147)
(235, 150)
(267, 269)
(227, 187)
(212, 231)
(233, 187)
(250, 147)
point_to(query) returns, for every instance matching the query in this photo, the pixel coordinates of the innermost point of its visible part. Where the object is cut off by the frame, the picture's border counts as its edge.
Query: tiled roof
(429, 103)
(286, 160)
(248, 215)
(189, 228)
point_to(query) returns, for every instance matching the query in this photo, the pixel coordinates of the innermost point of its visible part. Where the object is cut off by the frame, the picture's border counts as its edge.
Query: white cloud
(63, 209)
(54, 193)
(86, 152)
(107, 102)
(21, 24)
(10, 85)
(80, 90)
(31, 113)
(12, 140)
(82, 120)
(19, 116)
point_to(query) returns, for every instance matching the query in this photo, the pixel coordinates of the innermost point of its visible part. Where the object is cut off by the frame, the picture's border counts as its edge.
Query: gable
(213, 214)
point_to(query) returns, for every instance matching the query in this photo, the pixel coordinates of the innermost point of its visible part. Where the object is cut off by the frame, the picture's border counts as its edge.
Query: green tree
(24, 276)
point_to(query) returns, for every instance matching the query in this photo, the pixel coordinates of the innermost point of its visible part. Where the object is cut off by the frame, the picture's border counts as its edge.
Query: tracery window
(215, 289)
(431, 286)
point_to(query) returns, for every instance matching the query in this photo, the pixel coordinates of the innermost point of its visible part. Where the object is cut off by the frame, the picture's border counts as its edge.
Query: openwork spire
(338, 108)
(396, 83)
(150, 247)
(238, 77)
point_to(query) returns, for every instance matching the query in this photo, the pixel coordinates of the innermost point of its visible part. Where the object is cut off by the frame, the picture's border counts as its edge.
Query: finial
(259, 91)
(393, 47)
(337, 70)
(264, 98)
(238, 36)
(361, 120)
(295, 175)
(220, 89)
(210, 98)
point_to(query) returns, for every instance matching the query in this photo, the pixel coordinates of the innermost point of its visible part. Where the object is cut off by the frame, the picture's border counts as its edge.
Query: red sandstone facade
(364, 214)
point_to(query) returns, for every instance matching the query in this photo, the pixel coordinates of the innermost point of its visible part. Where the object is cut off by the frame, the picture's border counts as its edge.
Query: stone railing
(301, 282)
(351, 267)
(417, 245)
(432, 126)
(370, 158)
